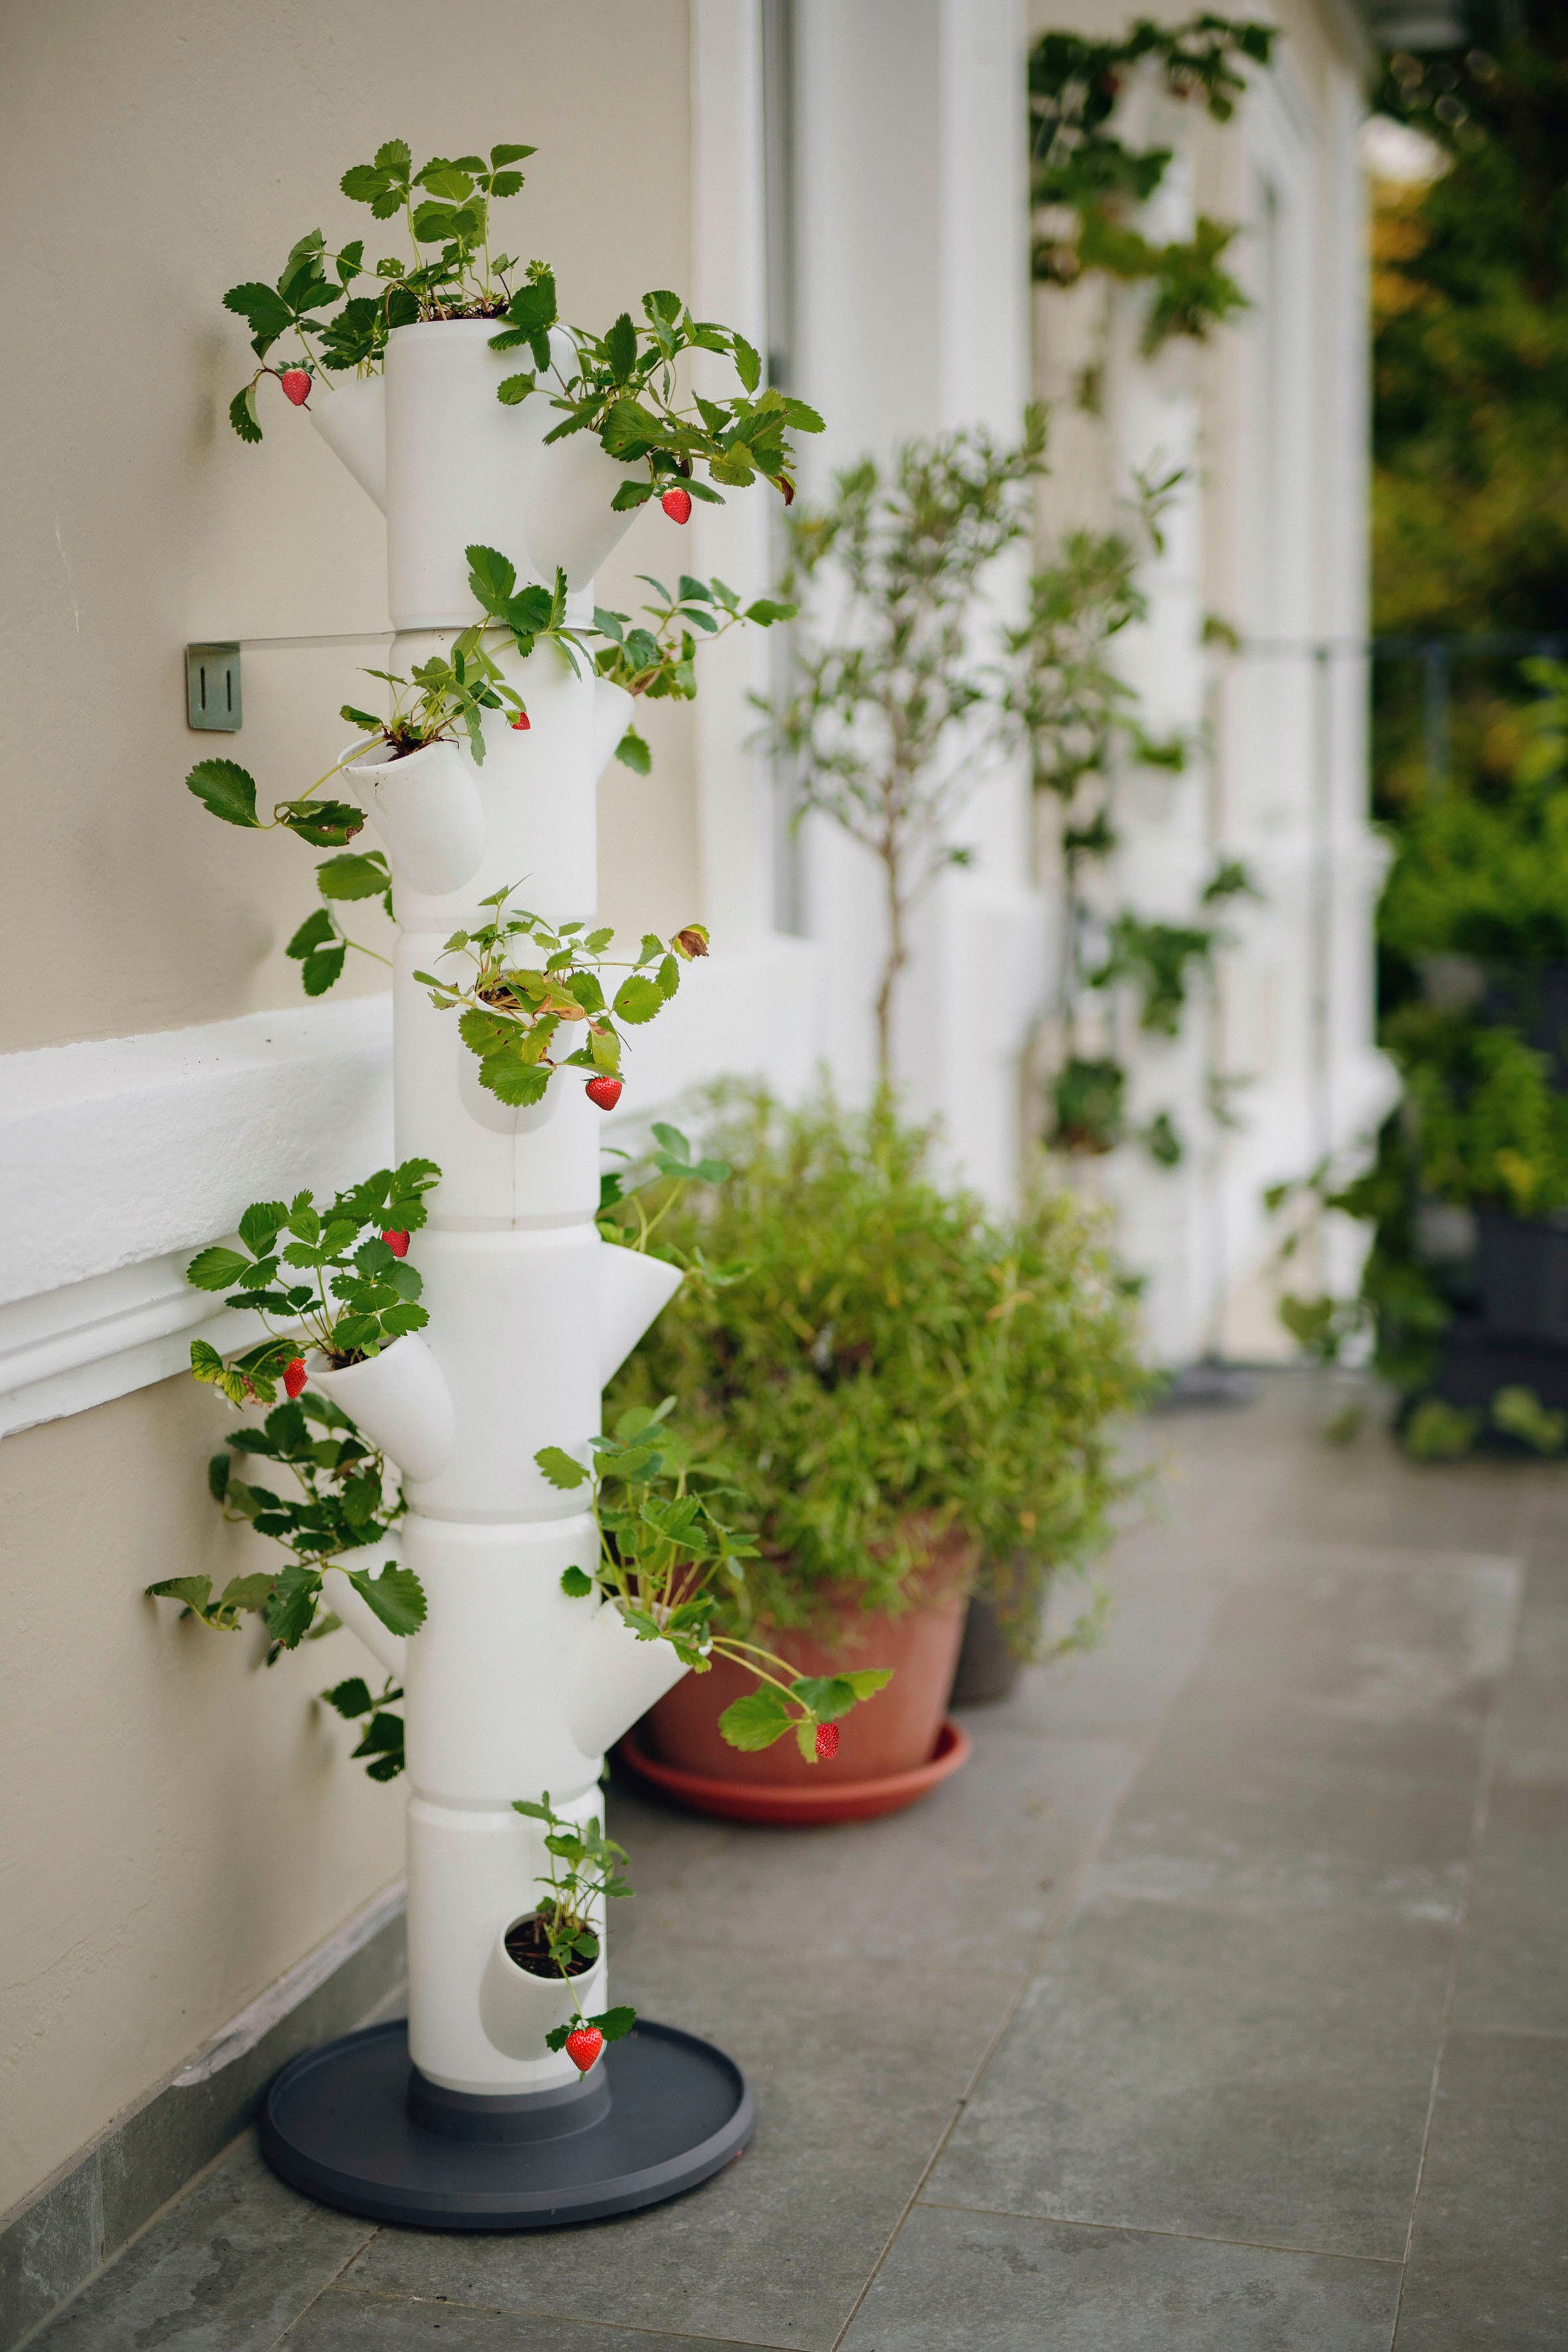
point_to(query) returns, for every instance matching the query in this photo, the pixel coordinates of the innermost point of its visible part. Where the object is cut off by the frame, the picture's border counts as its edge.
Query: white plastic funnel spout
(399, 1399)
(633, 1289)
(352, 420)
(613, 708)
(617, 1678)
(387, 1648)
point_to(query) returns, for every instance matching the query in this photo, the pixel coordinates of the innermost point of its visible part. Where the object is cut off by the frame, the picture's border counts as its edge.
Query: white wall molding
(118, 1159)
(125, 1148)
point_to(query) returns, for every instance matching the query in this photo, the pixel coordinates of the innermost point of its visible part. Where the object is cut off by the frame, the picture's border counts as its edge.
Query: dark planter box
(1536, 1004)
(1477, 1361)
(988, 1666)
(1521, 1275)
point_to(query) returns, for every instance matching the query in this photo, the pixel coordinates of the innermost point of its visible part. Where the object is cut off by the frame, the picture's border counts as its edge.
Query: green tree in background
(1472, 356)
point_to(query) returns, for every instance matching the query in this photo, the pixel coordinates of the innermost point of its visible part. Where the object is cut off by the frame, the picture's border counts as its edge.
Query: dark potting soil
(527, 1944)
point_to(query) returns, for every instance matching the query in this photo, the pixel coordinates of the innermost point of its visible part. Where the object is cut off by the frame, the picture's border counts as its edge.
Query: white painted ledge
(130, 1148)
(120, 1159)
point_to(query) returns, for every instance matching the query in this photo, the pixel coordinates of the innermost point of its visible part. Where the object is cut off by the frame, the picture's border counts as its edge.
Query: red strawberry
(398, 1243)
(826, 1742)
(521, 723)
(677, 504)
(296, 386)
(583, 2045)
(294, 1376)
(604, 1091)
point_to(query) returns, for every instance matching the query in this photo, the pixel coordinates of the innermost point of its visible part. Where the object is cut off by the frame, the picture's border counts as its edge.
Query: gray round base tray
(336, 2122)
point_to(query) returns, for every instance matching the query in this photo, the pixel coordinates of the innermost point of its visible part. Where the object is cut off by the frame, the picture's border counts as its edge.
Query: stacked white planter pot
(514, 1689)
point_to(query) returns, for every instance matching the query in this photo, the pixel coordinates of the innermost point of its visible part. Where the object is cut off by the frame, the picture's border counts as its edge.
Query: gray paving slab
(1488, 2260)
(1375, 1633)
(858, 2067)
(1011, 1830)
(225, 2270)
(1513, 1963)
(345, 2321)
(1120, 1690)
(1228, 2073)
(998, 2283)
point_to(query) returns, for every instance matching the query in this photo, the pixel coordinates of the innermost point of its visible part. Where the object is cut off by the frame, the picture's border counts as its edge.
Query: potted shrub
(894, 1386)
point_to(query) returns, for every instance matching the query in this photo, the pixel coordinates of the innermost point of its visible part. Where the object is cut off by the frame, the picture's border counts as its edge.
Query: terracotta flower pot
(894, 1732)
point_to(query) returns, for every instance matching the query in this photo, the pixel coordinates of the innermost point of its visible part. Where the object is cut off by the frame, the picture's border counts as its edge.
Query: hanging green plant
(1083, 167)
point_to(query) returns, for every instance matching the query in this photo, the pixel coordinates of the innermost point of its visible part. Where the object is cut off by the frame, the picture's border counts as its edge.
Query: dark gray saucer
(336, 2124)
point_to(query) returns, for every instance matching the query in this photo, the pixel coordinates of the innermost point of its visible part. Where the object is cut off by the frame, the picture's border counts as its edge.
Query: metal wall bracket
(212, 687)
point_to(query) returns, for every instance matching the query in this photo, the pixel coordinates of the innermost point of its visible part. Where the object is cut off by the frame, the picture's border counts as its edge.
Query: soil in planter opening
(527, 1944)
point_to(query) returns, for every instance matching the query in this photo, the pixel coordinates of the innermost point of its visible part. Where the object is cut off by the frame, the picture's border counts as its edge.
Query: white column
(913, 318)
(735, 787)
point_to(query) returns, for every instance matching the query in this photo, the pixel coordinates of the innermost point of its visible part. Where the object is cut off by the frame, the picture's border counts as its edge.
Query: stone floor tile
(1261, 1799)
(1227, 2074)
(998, 2283)
(1513, 1961)
(857, 2068)
(1488, 2260)
(1013, 1829)
(1371, 1633)
(343, 2321)
(226, 2269)
(1533, 1717)
(1120, 1691)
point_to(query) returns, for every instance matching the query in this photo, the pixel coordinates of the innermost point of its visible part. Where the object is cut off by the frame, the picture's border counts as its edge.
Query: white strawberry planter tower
(513, 1688)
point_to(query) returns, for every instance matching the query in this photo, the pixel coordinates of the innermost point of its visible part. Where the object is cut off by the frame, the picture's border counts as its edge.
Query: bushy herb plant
(886, 1363)
(675, 1568)
(347, 1290)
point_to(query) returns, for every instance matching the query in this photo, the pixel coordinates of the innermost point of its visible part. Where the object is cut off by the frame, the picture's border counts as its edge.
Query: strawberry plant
(621, 386)
(381, 1736)
(339, 1505)
(527, 979)
(449, 272)
(668, 1561)
(357, 1295)
(659, 661)
(446, 694)
(635, 1199)
(584, 1871)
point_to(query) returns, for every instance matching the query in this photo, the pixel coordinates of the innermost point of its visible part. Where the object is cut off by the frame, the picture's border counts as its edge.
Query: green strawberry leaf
(756, 1721)
(226, 788)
